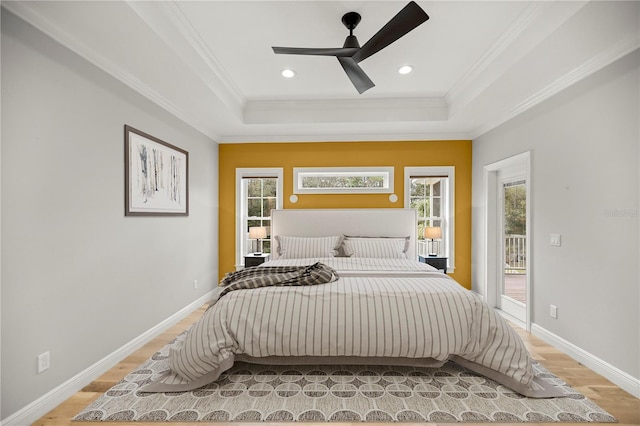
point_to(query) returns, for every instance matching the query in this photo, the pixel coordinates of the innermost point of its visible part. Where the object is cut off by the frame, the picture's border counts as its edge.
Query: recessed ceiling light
(405, 69)
(288, 73)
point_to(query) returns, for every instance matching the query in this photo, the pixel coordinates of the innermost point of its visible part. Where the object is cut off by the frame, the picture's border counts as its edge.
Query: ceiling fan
(351, 53)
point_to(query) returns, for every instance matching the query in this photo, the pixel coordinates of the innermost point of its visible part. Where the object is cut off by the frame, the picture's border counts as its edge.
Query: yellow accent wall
(347, 154)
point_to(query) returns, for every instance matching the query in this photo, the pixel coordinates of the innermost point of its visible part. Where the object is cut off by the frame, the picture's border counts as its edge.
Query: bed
(345, 287)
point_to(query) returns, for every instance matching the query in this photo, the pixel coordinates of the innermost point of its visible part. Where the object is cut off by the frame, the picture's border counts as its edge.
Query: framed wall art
(156, 176)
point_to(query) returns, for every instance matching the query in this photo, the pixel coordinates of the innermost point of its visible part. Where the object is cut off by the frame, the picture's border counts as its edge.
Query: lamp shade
(257, 232)
(432, 232)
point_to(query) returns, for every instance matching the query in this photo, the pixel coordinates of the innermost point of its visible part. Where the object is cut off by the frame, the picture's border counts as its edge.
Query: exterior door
(507, 264)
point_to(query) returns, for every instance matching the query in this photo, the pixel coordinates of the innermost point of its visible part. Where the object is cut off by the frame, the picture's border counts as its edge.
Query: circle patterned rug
(255, 393)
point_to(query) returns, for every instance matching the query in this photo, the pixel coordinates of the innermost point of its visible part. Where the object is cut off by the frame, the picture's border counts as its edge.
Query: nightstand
(255, 260)
(437, 262)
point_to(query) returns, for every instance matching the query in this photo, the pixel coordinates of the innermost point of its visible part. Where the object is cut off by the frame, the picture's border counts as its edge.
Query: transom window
(335, 180)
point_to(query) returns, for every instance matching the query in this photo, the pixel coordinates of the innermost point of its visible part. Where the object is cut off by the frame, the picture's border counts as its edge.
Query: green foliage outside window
(515, 209)
(342, 182)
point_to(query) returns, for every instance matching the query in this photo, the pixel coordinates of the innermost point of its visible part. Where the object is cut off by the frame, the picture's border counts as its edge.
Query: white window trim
(298, 173)
(448, 206)
(242, 173)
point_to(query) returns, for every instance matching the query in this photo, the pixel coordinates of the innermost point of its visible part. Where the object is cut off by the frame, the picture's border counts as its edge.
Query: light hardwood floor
(611, 398)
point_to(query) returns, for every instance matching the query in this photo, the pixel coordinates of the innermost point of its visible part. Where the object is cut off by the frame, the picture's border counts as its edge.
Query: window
(258, 191)
(336, 180)
(429, 190)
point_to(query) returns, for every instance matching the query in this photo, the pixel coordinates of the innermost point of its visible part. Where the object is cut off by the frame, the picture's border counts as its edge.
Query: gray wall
(80, 279)
(584, 178)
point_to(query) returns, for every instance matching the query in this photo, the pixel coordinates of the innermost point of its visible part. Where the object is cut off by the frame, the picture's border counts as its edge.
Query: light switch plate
(555, 240)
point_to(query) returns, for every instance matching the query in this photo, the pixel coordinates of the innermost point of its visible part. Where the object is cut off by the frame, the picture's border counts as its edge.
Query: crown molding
(466, 89)
(594, 64)
(393, 136)
(511, 46)
(28, 11)
(346, 110)
(167, 20)
(484, 98)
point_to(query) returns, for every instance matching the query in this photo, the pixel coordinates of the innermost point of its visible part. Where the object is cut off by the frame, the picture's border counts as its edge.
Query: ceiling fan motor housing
(351, 41)
(351, 20)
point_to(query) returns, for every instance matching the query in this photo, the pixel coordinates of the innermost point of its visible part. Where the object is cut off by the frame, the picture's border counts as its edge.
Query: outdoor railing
(515, 252)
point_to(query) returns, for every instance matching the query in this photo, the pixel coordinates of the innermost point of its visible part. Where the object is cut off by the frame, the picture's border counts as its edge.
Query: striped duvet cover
(379, 311)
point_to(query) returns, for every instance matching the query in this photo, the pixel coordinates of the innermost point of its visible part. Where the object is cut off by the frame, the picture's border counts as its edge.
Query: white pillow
(381, 248)
(306, 247)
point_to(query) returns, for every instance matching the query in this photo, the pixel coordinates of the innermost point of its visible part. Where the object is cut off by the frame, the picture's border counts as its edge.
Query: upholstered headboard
(356, 222)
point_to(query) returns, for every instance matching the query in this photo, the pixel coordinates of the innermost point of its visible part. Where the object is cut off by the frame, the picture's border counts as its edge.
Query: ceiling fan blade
(406, 20)
(357, 76)
(329, 51)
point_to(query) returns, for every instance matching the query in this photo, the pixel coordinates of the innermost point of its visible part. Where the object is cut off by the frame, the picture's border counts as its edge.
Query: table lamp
(433, 233)
(257, 233)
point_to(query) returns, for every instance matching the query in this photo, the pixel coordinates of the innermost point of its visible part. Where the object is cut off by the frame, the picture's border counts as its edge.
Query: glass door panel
(513, 291)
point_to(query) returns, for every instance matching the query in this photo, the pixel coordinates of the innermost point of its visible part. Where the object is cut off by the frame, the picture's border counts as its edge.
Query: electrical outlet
(553, 311)
(195, 284)
(43, 362)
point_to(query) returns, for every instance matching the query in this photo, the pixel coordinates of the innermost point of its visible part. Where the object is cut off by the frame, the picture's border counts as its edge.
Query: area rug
(349, 393)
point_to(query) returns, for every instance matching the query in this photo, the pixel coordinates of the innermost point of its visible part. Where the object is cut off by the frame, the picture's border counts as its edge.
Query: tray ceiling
(210, 63)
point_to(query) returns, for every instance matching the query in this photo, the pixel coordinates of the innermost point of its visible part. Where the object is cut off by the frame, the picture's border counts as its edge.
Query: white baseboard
(614, 374)
(512, 319)
(57, 396)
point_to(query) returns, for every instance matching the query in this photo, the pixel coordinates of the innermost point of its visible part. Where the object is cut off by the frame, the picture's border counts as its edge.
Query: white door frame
(493, 244)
